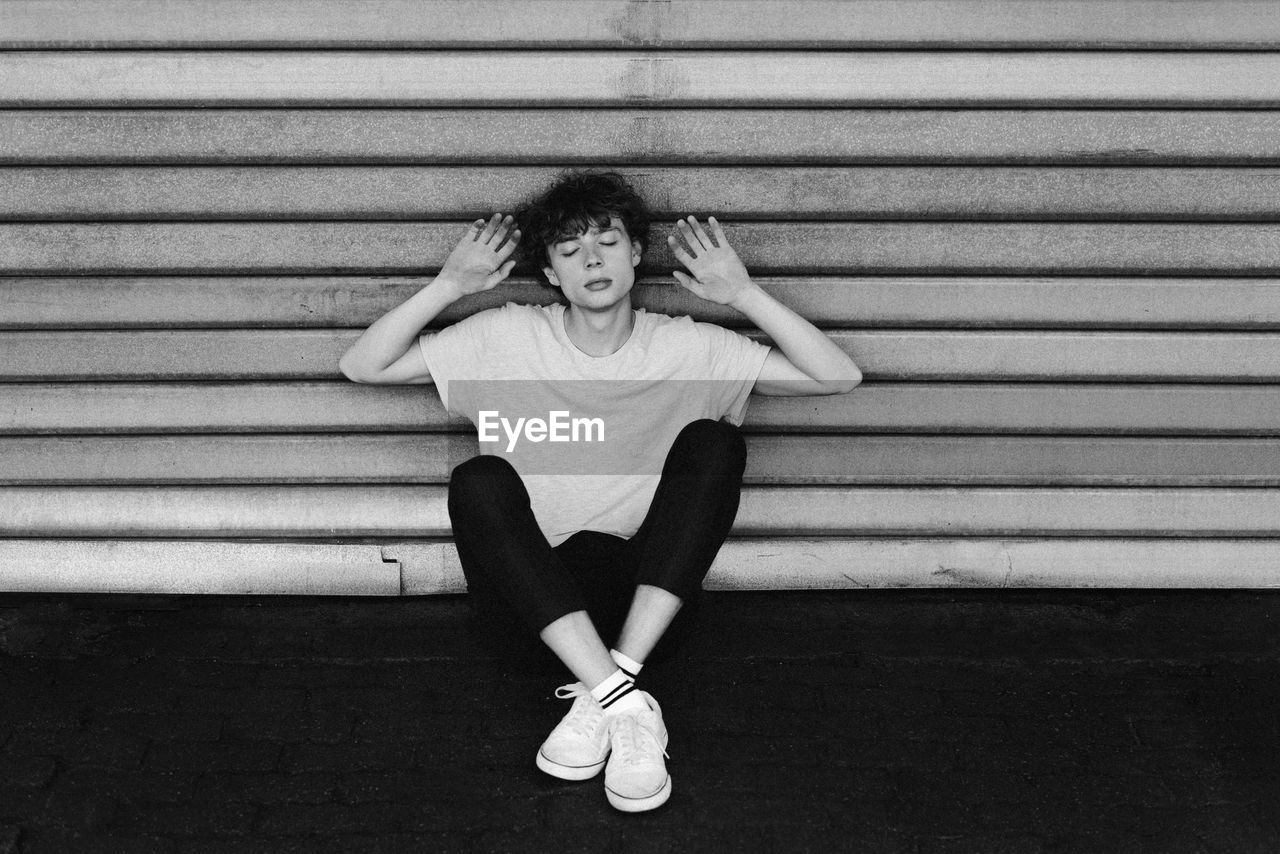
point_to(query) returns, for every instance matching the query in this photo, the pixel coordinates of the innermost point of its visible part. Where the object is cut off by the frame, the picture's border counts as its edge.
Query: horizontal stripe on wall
(977, 562)
(848, 248)
(605, 78)
(432, 567)
(415, 458)
(196, 567)
(229, 512)
(638, 136)
(267, 407)
(907, 301)
(781, 193)
(617, 23)
(852, 564)
(912, 355)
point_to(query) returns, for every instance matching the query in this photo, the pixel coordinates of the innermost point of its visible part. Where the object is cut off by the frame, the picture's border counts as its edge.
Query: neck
(599, 333)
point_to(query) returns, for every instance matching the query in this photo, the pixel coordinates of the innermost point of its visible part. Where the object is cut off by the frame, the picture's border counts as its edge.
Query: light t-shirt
(596, 429)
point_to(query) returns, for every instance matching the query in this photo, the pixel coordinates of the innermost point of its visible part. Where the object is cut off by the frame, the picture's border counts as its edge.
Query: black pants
(514, 575)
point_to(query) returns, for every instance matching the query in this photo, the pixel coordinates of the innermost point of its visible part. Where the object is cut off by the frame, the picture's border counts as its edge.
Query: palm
(718, 273)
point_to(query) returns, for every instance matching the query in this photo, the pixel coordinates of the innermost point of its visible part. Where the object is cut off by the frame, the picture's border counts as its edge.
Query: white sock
(629, 666)
(617, 694)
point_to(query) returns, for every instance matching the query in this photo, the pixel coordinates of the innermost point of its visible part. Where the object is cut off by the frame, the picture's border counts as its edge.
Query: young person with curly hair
(611, 461)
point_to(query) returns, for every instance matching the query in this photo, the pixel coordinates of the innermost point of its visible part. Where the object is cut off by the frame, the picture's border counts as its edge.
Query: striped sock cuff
(627, 665)
(613, 688)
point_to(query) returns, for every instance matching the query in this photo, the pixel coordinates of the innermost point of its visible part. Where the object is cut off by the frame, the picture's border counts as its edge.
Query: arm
(385, 352)
(809, 361)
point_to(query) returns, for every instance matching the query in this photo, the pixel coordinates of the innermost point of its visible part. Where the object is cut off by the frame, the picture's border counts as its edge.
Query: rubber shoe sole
(569, 772)
(651, 802)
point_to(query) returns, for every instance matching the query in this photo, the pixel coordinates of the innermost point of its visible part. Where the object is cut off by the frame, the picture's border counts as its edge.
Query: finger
(494, 278)
(504, 270)
(717, 231)
(689, 283)
(690, 237)
(702, 235)
(510, 246)
(476, 227)
(506, 225)
(687, 241)
(678, 250)
(490, 228)
(500, 229)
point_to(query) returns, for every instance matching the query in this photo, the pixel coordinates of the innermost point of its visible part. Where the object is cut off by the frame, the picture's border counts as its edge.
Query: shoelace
(583, 717)
(636, 743)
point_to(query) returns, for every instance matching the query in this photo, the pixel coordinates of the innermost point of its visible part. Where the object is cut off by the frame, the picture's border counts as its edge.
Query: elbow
(827, 387)
(349, 371)
(853, 379)
(846, 384)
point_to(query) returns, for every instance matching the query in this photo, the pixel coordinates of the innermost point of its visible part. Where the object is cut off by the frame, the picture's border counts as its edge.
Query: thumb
(502, 272)
(682, 278)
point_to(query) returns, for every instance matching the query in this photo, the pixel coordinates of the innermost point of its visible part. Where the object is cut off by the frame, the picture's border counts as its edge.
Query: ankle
(626, 664)
(612, 688)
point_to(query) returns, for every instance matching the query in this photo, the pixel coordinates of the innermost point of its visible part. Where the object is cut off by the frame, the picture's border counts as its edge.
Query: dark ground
(903, 721)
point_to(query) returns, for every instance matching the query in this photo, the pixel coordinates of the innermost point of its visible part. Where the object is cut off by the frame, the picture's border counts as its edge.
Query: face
(595, 269)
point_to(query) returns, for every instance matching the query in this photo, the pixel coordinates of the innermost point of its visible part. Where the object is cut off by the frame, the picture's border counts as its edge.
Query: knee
(479, 483)
(715, 445)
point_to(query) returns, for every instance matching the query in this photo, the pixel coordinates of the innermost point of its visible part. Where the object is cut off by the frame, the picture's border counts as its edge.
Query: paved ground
(916, 721)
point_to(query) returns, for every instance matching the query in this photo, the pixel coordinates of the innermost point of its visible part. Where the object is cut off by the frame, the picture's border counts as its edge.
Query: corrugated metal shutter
(1046, 229)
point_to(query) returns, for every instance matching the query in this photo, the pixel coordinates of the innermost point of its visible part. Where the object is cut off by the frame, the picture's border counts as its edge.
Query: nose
(593, 257)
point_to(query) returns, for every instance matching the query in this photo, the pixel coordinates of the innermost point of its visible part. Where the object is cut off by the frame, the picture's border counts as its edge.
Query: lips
(597, 284)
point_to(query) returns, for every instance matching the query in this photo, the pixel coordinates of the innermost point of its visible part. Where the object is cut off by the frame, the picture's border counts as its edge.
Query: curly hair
(573, 203)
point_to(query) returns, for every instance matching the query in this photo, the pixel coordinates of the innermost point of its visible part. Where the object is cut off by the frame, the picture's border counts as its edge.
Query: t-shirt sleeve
(455, 353)
(734, 362)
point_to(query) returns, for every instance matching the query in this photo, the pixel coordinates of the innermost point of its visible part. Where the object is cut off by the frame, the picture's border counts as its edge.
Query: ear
(551, 276)
(636, 252)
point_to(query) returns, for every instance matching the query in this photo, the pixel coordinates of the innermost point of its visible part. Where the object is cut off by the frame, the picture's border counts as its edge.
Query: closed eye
(573, 252)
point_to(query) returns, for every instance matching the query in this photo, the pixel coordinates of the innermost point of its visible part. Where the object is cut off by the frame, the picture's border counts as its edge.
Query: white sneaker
(578, 746)
(636, 778)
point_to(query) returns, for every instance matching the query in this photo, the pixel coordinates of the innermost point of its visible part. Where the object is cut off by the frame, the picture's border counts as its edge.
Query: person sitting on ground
(610, 462)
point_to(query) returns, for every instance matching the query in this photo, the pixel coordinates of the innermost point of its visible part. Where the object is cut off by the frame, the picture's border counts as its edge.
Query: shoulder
(530, 322)
(667, 327)
(708, 334)
(684, 331)
(523, 314)
(504, 318)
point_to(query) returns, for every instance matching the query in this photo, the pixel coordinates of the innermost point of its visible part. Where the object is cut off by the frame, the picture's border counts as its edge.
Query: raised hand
(718, 274)
(482, 257)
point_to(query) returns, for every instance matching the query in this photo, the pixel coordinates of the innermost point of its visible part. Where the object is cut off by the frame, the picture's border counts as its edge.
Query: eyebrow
(567, 238)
